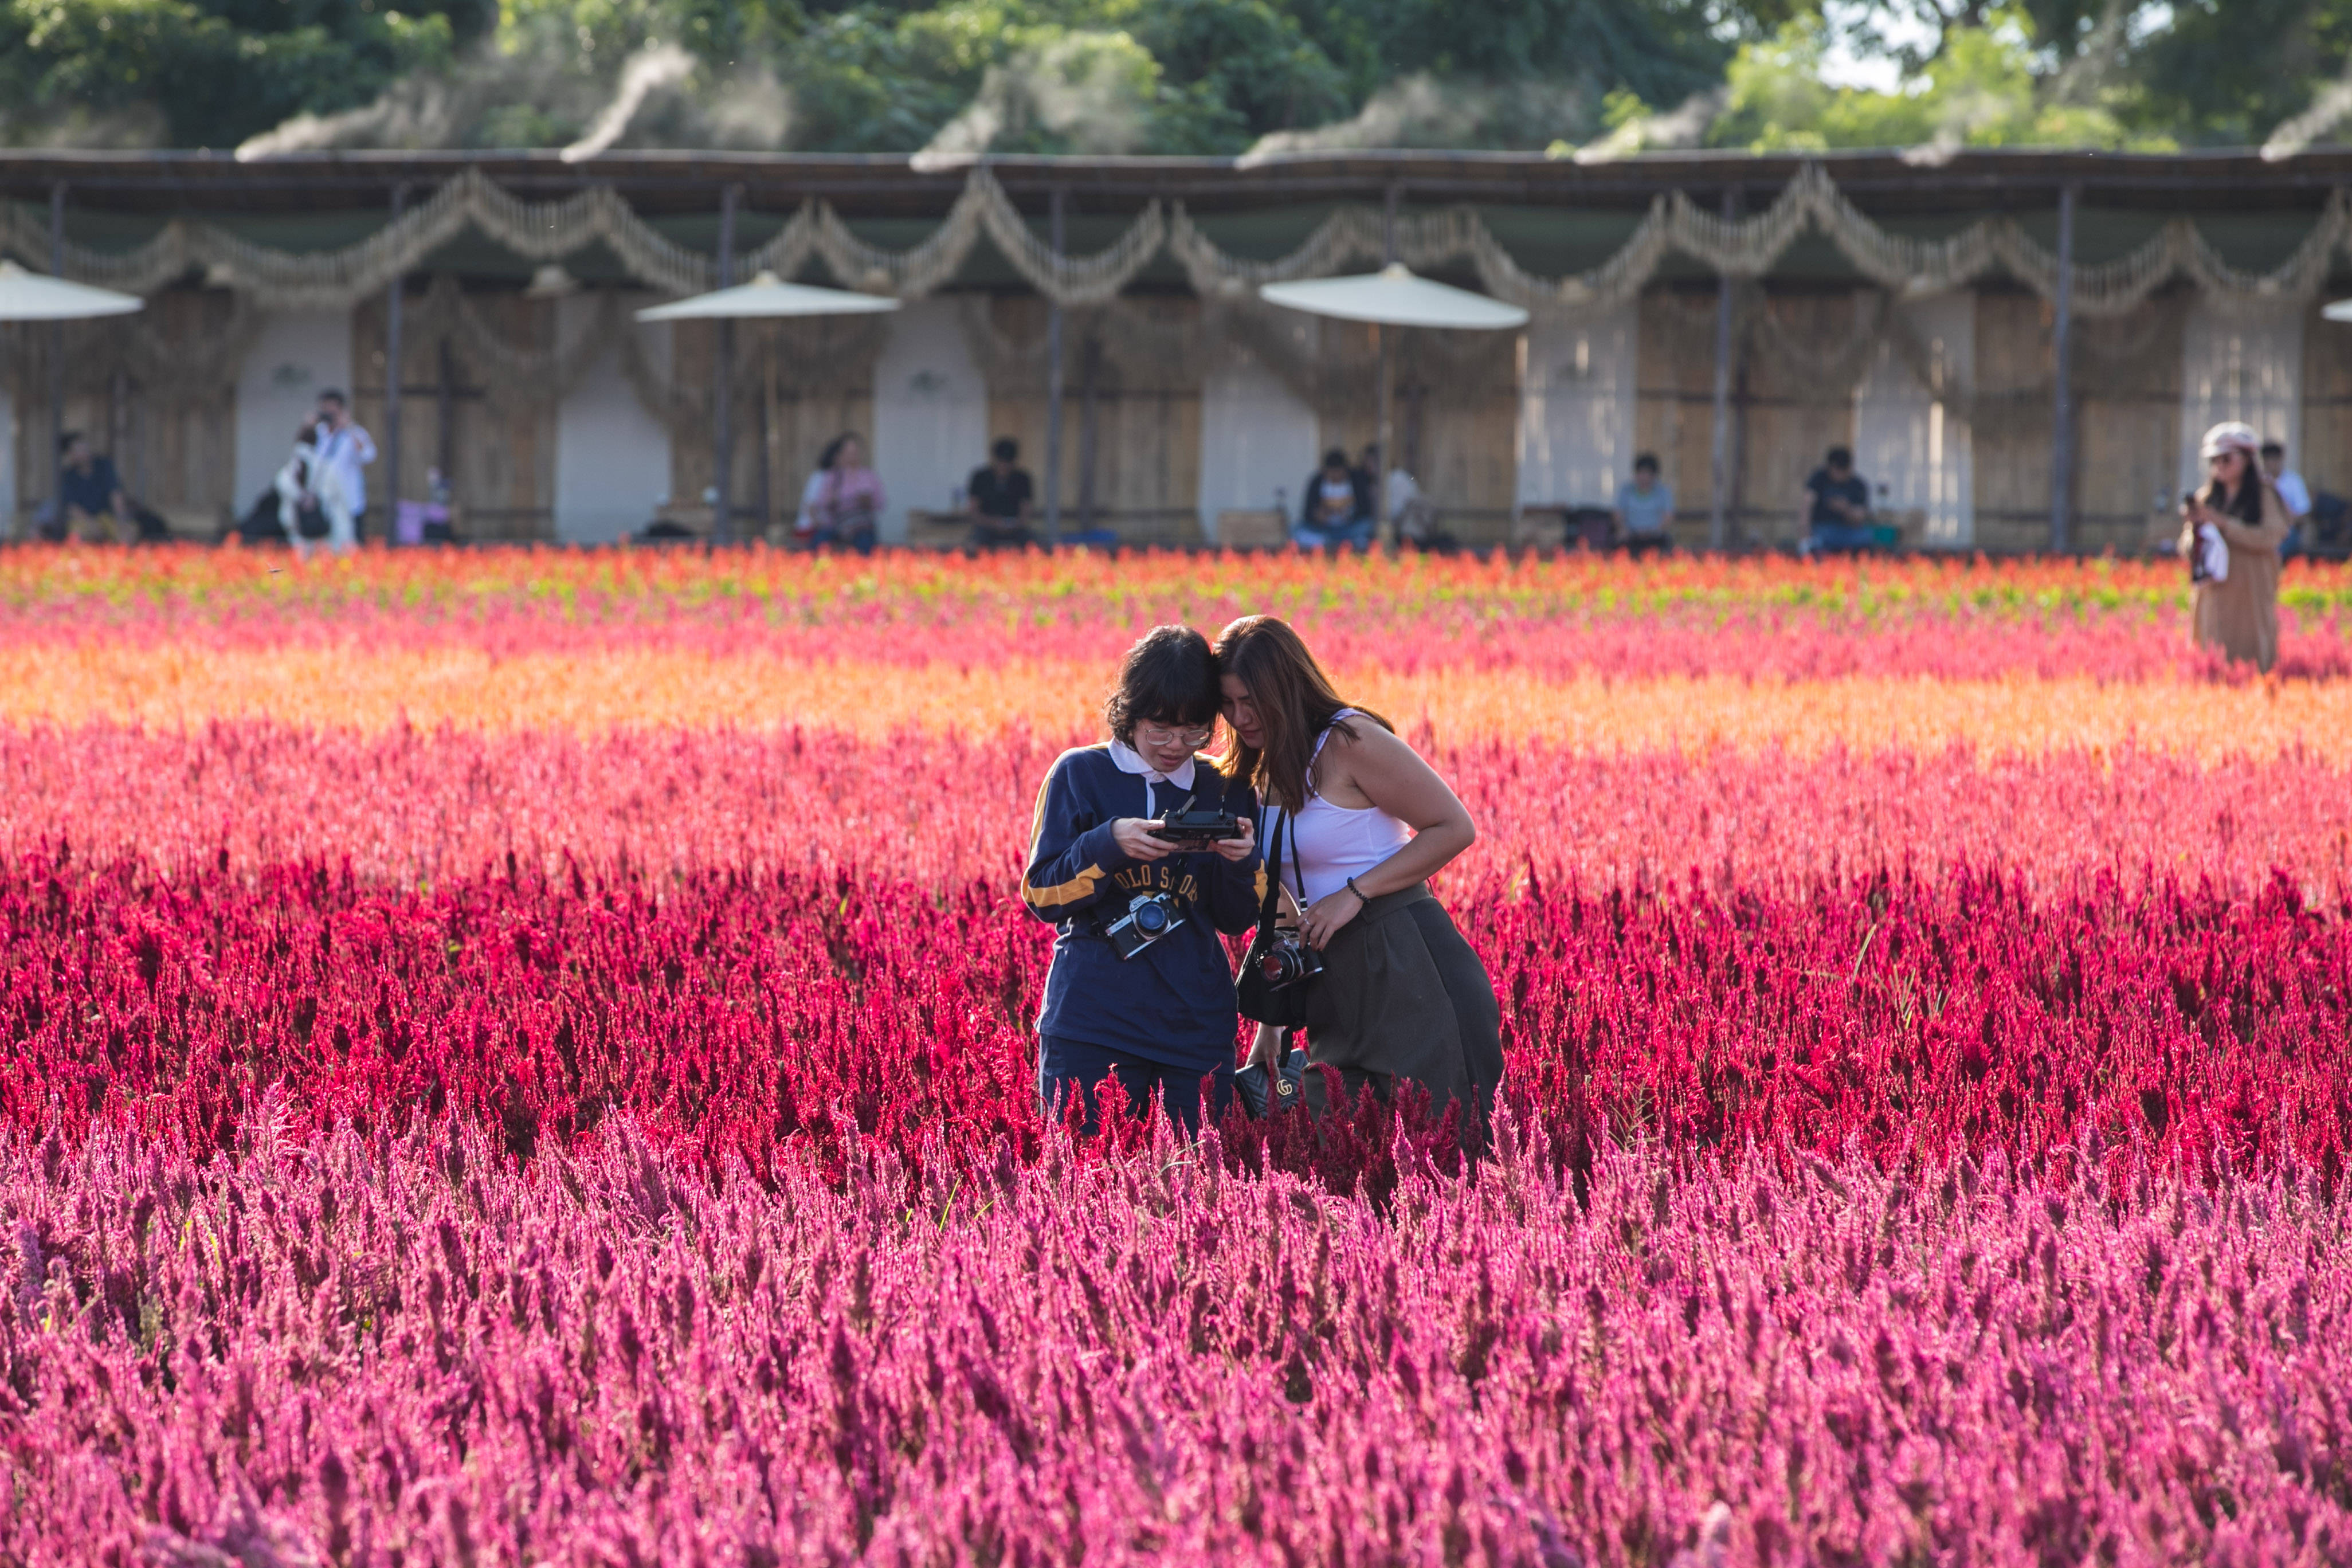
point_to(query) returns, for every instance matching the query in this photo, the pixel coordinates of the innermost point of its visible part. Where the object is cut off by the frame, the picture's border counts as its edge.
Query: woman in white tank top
(1365, 822)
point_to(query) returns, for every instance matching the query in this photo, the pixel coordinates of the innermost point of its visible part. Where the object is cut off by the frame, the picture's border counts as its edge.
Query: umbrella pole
(1388, 405)
(57, 352)
(1388, 371)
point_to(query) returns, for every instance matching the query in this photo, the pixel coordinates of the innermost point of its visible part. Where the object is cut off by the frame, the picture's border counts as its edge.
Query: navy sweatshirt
(1172, 1003)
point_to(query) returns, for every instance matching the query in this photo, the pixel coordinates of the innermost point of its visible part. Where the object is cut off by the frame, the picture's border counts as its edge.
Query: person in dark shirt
(1837, 506)
(1160, 1018)
(1336, 507)
(1000, 496)
(92, 502)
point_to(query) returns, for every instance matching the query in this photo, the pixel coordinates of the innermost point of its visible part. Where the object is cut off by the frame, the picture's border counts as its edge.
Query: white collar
(1130, 761)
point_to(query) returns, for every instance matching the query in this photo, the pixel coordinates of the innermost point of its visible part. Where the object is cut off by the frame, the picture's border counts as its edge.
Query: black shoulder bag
(1256, 996)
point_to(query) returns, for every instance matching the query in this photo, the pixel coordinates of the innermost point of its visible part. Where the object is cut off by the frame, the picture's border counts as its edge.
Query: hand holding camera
(1139, 839)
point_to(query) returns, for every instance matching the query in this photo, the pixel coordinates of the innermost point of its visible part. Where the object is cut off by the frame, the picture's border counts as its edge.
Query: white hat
(2230, 436)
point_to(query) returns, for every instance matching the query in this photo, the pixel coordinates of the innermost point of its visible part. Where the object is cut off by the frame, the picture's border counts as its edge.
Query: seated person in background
(1000, 497)
(1644, 512)
(848, 505)
(1837, 506)
(1415, 518)
(92, 501)
(2292, 493)
(1337, 508)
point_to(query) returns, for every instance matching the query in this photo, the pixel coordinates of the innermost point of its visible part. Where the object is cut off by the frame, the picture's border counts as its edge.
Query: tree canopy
(1172, 76)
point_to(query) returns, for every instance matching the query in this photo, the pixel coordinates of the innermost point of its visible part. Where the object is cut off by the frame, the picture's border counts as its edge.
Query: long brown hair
(1295, 703)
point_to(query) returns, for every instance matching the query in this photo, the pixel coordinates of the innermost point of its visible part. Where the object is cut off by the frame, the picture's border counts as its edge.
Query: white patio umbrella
(1393, 297)
(37, 297)
(767, 295)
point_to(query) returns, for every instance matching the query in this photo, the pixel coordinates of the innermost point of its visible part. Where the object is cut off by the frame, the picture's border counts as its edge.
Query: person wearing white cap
(2237, 608)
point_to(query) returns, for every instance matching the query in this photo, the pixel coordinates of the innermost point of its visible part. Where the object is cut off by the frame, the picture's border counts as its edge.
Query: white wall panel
(297, 355)
(1917, 454)
(611, 458)
(931, 412)
(1576, 411)
(1257, 438)
(2245, 368)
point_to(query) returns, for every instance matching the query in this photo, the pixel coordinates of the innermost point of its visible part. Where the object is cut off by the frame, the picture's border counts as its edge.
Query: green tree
(208, 72)
(1978, 88)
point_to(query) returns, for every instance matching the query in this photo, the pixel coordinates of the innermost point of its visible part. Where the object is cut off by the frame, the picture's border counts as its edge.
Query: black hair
(1336, 458)
(66, 438)
(1646, 460)
(1839, 457)
(335, 395)
(1006, 451)
(1169, 677)
(824, 460)
(2274, 449)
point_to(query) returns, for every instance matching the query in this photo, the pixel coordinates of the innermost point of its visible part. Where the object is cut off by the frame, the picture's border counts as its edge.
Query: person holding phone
(1121, 864)
(2236, 607)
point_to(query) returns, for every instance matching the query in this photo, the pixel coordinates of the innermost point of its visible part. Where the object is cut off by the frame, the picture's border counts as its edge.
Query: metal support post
(722, 401)
(392, 384)
(1054, 386)
(57, 349)
(2062, 392)
(1719, 517)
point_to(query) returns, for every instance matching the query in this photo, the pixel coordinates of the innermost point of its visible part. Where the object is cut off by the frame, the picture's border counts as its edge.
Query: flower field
(521, 1056)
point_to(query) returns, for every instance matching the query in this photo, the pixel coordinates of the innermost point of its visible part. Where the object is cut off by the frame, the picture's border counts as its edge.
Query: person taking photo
(2236, 607)
(1141, 989)
(1365, 823)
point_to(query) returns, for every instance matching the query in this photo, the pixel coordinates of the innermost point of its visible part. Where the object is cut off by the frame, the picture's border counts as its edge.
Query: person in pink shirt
(847, 503)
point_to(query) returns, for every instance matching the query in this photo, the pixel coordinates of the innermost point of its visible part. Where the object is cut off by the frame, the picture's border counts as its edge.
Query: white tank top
(1334, 842)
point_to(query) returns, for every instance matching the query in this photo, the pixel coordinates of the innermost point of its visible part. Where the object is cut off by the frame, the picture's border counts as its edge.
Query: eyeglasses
(1154, 735)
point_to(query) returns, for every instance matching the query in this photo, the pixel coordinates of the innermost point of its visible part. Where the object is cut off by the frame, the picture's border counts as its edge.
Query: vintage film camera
(1149, 917)
(1289, 961)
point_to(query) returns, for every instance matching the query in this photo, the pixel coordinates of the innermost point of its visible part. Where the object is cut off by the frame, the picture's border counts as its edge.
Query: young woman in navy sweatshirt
(1160, 1019)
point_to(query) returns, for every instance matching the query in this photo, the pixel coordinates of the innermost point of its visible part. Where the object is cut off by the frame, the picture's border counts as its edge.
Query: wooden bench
(1261, 528)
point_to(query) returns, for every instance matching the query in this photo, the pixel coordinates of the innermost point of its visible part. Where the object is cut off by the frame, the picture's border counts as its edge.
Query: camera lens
(1151, 918)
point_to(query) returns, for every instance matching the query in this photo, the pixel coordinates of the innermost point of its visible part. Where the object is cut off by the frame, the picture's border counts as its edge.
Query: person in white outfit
(312, 503)
(1358, 822)
(294, 501)
(344, 452)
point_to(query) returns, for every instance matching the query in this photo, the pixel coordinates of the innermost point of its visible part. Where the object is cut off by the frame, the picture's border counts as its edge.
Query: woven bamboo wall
(1791, 416)
(1455, 419)
(1673, 410)
(780, 424)
(177, 449)
(1146, 443)
(174, 446)
(2126, 375)
(498, 455)
(2324, 454)
(2013, 472)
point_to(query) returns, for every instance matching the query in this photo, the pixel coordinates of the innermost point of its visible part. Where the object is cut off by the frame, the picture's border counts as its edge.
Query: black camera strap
(1252, 996)
(1272, 842)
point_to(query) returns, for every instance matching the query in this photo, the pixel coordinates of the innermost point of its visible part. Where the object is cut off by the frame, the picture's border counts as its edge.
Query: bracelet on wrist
(1363, 899)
